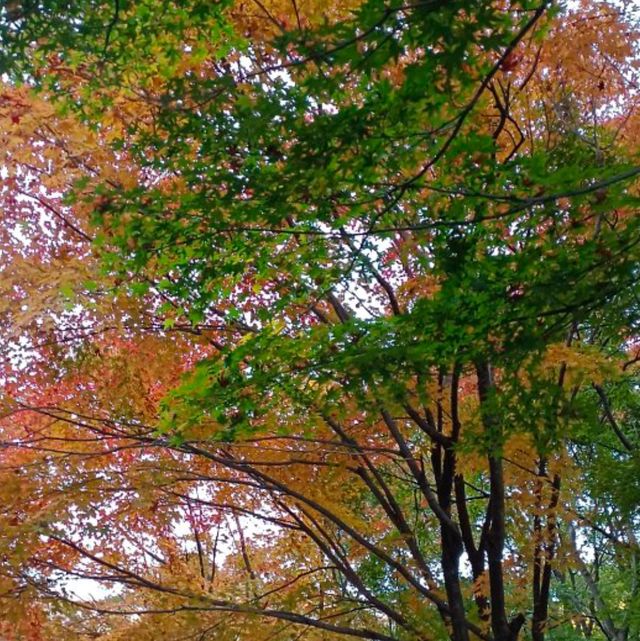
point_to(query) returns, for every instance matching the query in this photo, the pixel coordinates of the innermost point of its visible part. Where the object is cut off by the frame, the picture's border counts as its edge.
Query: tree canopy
(319, 320)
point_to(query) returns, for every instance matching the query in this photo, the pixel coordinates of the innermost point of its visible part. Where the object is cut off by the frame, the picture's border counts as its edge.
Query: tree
(352, 286)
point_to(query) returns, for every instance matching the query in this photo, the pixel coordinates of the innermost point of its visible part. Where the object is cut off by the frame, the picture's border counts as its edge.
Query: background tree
(364, 275)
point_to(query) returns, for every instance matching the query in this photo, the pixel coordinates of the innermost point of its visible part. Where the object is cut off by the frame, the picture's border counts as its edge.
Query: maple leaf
(303, 304)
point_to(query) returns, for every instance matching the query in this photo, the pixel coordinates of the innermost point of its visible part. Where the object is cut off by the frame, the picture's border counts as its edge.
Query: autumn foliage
(319, 319)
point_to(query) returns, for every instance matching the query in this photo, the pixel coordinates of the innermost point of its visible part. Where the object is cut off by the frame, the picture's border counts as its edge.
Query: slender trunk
(544, 555)
(502, 628)
(474, 552)
(451, 551)
(451, 541)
